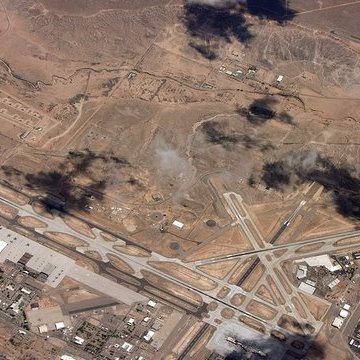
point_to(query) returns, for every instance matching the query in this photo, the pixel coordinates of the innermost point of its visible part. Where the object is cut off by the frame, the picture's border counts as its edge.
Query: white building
(338, 322)
(307, 288)
(343, 314)
(78, 340)
(149, 335)
(178, 224)
(152, 303)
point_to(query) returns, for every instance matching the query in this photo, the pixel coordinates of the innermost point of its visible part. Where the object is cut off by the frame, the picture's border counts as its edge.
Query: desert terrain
(191, 151)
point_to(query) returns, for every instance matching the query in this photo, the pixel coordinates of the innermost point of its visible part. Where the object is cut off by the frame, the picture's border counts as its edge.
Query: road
(234, 205)
(137, 263)
(194, 340)
(238, 211)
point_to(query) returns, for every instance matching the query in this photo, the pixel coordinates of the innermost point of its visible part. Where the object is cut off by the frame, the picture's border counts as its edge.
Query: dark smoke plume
(309, 166)
(215, 133)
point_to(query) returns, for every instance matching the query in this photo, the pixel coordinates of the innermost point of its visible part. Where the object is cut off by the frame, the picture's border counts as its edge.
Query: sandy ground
(65, 239)
(350, 241)
(309, 248)
(93, 254)
(120, 264)
(173, 288)
(289, 323)
(109, 237)
(78, 225)
(223, 292)
(251, 281)
(7, 211)
(66, 88)
(31, 222)
(264, 293)
(40, 209)
(237, 299)
(227, 313)
(299, 307)
(219, 269)
(182, 273)
(283, 281)
(252, 323)
(261, 310)
(13, 195)
(230, 241)
(240, 270)
(275, 290)
(132, 250)
(316, 307)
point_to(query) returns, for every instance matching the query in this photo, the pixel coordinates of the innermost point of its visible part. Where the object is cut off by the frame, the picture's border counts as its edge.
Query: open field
(264, 294)
(237, 299)
(12, 195)
(309, 248)
(252, 323)
(131, 250)
(299, 307)
(254, 277)
(228, 242)
(7, 211)
(240, 270)
(280, 299)
(187, 276)
(78, 225)
(219, 269)
(176, 290)
(261, 310)
(65, 239)
(317, 308)
(29, 221)
(120, 264)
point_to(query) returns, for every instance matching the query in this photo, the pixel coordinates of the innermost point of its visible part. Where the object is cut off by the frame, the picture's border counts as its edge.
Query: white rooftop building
(307, 288)
(149, 335)
(127, 346)
(43, 329)
(178, 224)
(59, 325)
(333, 283)
(3, 245)
(151, 303)
(66, 357)
(321, 260)
(78, 340)
(343, 314)
(301, 272)
(338, 322)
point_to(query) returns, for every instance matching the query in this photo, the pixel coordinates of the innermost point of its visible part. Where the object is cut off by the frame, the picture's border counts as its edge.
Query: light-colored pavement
(237, 210)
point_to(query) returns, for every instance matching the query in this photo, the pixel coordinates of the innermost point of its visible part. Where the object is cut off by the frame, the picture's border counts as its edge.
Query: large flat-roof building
(34, 256)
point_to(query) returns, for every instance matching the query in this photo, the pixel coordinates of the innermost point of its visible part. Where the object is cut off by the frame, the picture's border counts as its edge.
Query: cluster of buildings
(354, 341)
(141, 331)
(17, 290)
(100, 326)
(331, 268)
(343, 314)
(42, 263)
